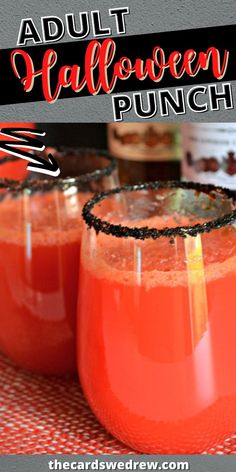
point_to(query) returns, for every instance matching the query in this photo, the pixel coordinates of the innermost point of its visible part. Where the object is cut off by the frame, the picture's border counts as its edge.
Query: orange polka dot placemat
(50, 416)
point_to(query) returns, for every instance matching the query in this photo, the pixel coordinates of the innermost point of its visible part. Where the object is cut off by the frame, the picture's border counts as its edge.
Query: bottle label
(209, 153)
(144, 142)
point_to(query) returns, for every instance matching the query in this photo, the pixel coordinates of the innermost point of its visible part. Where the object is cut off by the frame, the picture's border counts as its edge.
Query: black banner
(133, 47)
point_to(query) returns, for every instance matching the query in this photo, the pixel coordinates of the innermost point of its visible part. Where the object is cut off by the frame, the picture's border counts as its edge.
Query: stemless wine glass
(157, 332)
(40, 233)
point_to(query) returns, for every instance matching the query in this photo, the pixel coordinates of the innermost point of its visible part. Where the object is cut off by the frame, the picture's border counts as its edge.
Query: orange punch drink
(156, 315)
(40, 235)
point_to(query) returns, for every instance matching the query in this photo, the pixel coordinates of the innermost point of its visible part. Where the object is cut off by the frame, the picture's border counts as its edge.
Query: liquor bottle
(14, 169)
(209, 153)
(145, 151)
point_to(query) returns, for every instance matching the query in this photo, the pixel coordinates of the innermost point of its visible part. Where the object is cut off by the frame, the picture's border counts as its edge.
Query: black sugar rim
(142, 233)
(65, 182)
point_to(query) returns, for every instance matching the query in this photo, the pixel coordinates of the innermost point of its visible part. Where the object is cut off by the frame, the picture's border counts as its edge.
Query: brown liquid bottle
(145, 152)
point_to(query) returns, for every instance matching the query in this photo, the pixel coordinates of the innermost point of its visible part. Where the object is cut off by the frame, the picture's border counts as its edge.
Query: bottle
(209, 153)
(145, 151)
(14, 169)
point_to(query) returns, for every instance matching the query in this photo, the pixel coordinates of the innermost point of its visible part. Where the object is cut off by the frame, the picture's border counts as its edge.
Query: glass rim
(119, 230)
(60, 182)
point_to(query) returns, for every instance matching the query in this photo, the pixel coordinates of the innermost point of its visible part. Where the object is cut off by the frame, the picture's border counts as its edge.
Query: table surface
(50, 416)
